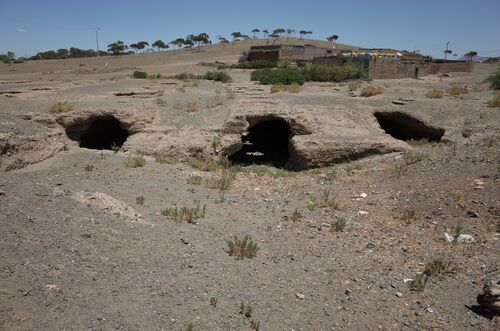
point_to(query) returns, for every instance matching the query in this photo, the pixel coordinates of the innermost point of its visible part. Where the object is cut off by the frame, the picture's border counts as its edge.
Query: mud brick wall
(393, 68)
(451, 67)
(269, 55)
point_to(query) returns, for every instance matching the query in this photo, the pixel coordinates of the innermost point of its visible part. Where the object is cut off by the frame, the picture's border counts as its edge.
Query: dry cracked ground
(353, 240)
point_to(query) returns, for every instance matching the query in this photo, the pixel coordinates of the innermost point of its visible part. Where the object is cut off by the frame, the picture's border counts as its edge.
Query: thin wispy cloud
(21, 30)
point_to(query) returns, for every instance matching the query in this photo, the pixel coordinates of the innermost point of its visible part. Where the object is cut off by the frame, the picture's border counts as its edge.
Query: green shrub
(256, 64)
(140, 74)
(219, 76)
(494, 80)
(185, 76)
(285, 76)
(332, 73)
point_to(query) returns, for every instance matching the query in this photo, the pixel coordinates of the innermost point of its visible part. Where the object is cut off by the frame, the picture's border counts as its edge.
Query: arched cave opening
(266, 143)
(98, 133)
(405, 127)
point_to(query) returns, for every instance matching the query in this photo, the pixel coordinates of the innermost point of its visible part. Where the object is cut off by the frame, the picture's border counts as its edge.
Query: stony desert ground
(342, 243)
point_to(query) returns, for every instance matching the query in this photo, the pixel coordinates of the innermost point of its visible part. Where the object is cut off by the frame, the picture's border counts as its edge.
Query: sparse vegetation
(401, 169)
(423, 142)
(186, 214)
(189, 107)
(140, 74)
(140, 200)
(456, 90)
(434, 94)
(437, 268)
(369, 91)
(135, 161)
(411, 157)
(408, 216)
(213, 301)
(296, 216)
(294, 88)
(160, 102)
(353, 166)
(203, 163)
(353, 87)
(162, 158)
(338, 225)
(89, 167)
(241, 248)
(115, 148)
(418, 284)
(495, 101)
(494, 80)
(194, 179)
(325, 200)
(245, 309)
(61, 107)
(284, 76)
(263, 170)
(219, 76)
(222, 182)
(256, 64)
(332, 73)
(254, 324)
(457, 231)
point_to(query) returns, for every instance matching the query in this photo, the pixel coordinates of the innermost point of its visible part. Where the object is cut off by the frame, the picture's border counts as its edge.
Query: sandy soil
(79, 251)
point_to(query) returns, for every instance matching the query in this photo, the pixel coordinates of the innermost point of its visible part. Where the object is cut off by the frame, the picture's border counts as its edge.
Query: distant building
(380, 63)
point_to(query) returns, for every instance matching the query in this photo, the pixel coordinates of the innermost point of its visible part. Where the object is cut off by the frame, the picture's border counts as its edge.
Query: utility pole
(97, 39)
(446, 51)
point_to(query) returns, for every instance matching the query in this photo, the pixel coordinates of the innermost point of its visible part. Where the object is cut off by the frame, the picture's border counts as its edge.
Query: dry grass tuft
(294, 88)
(495, 102)
(434, 94)
(456, 90)
(185, 214)
(370, 91)
(189, 107)
(241, 248)
(135, 161)
(223, 182)
(61, 107)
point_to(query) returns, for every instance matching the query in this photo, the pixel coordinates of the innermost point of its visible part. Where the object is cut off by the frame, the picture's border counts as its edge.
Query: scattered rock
(490, 299)
(463, 238)
(300, 296)
(397, 102)
(472, 213)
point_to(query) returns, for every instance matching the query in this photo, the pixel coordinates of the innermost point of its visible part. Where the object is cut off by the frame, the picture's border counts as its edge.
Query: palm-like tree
(470, 54)
(255, 31)
(159, 44)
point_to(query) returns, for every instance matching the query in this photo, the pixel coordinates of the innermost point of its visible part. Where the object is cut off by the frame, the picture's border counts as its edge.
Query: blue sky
(30, 26)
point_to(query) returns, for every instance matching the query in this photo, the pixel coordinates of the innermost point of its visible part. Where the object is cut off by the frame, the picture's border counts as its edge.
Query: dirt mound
(107, 204)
